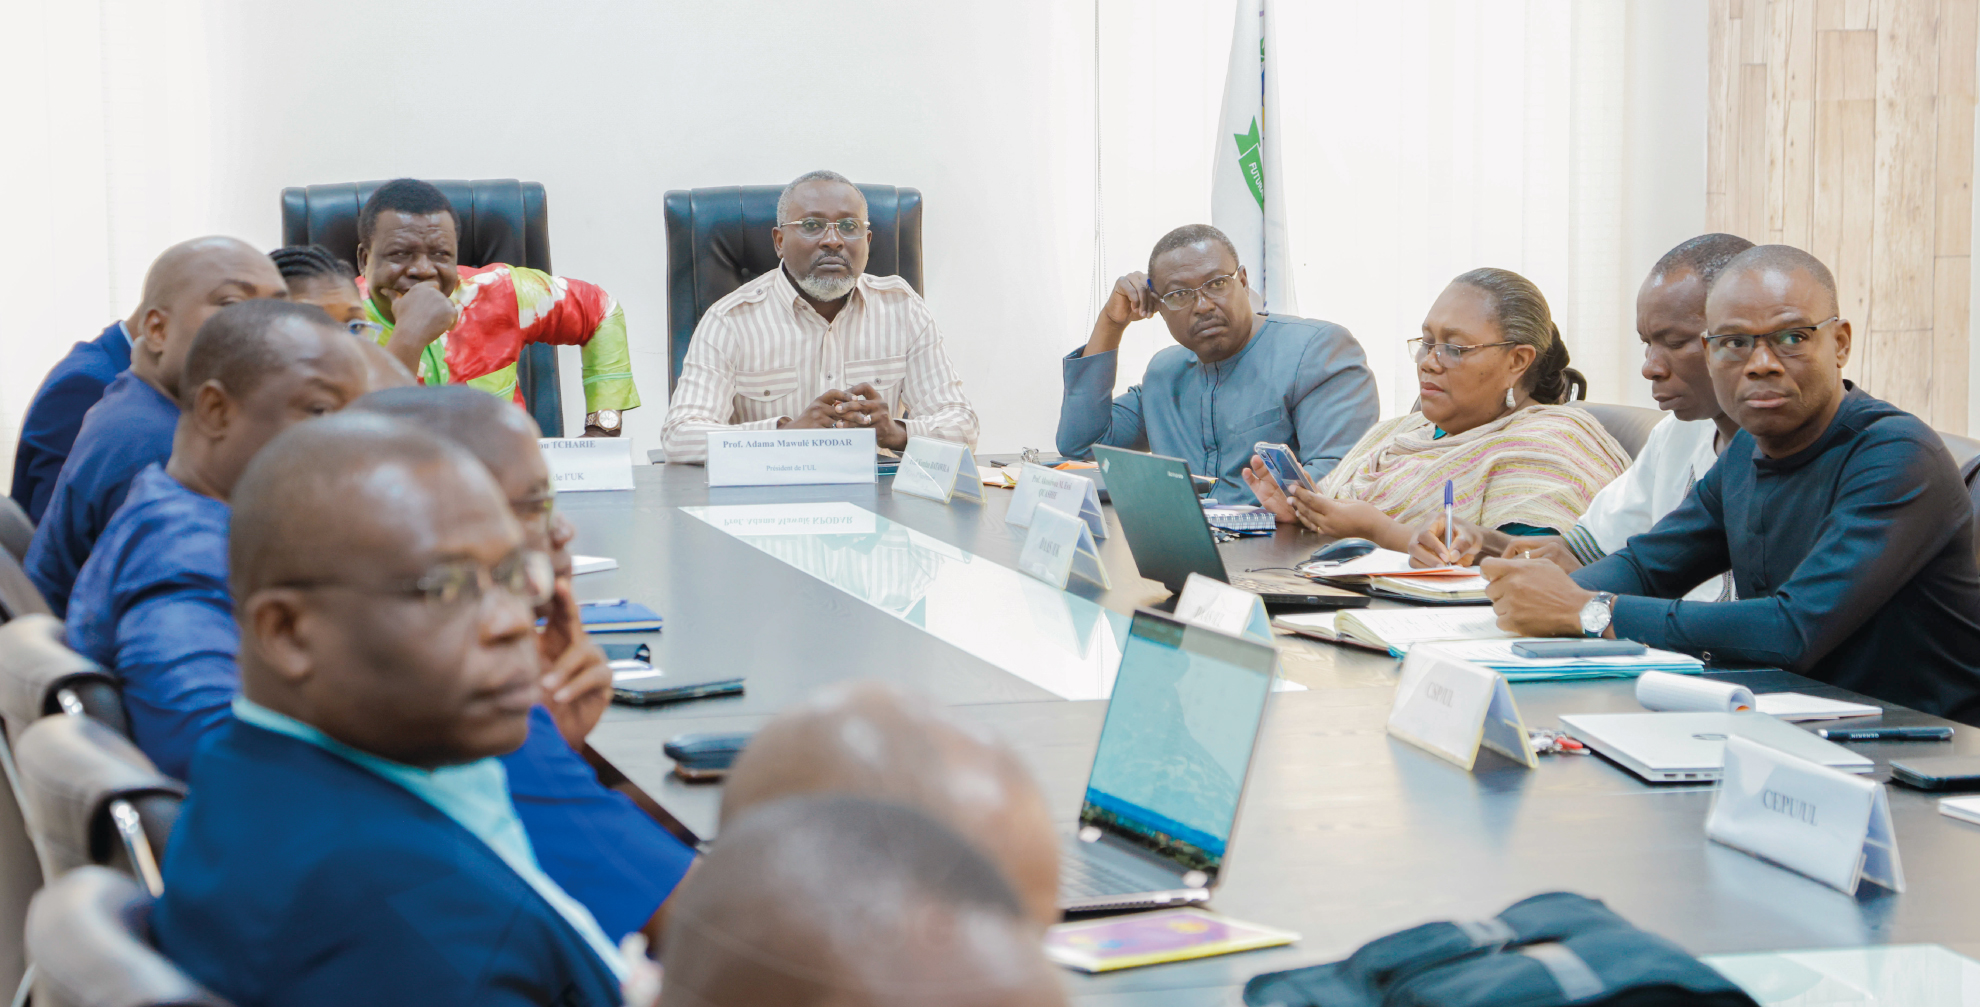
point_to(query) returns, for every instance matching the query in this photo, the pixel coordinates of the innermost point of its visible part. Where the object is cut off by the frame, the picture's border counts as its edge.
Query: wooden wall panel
(1846, 127)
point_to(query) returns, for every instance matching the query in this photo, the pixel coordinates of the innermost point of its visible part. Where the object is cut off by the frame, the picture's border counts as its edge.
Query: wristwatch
(604, 419)
(1595, 615)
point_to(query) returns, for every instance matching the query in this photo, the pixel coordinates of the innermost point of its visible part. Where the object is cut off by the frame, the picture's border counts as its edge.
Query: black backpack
(1552, 949)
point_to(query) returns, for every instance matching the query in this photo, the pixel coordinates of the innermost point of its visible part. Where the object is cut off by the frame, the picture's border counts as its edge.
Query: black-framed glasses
(1448, 354)
(812, 227)
(1737, 347)
(528, 574)
(1215, 288)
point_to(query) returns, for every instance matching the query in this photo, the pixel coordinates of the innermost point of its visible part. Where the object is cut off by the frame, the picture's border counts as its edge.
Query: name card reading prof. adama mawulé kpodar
(791, 457)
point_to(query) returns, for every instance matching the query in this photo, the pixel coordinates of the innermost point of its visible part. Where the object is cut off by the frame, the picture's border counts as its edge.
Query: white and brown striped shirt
(762, 354)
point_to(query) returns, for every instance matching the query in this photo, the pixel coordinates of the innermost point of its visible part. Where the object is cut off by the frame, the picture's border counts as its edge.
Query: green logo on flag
(1249, 163)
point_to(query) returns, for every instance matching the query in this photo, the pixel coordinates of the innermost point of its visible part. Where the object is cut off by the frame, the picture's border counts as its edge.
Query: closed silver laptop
(1162, 798)
(1691, 747)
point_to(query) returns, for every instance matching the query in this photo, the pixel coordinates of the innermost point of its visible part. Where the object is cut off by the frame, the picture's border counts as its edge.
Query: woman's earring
(1509, 398)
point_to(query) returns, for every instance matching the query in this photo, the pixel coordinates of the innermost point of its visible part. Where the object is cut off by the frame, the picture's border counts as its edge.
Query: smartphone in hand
(1284, 466)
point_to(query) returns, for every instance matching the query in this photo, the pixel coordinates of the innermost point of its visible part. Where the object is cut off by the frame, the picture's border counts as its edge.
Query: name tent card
(1830, 825)
(1074, 494)
(792, 457)
(1059, 546)
(584, 464)
(1224, 608)
(1449, 707)
(938, 470)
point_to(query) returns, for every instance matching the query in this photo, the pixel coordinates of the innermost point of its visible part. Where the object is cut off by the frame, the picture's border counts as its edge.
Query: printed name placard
(791, 457)
(1074, 494)
(1059, 546)
(583, 464)
(1224, 608)
(938, 470)
(1449, 706)
(1830, 825)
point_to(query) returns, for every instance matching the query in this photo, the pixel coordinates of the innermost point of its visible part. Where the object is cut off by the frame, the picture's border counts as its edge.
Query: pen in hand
(1450, 505)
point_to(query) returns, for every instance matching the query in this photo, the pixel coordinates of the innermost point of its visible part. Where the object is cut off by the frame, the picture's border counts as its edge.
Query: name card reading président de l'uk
(791, 457)
(583, 464)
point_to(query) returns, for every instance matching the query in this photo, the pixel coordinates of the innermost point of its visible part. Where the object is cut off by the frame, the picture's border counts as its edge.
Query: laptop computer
(1162, 797)
(1166, 531)
(1691, 747)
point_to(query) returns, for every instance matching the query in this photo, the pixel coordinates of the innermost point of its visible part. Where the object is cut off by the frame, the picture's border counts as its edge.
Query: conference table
(1345, 833)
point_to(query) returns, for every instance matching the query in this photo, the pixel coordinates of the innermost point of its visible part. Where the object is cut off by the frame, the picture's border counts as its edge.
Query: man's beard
(821, 289)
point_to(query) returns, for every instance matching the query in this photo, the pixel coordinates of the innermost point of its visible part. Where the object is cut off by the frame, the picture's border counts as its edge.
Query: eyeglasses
(365, 329)
(525, 573)
(1448, 354)
(1215, 288)
(812, 227)
(1737, 347)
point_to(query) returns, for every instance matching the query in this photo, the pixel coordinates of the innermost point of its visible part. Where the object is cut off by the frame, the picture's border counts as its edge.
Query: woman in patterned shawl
(1493, 379)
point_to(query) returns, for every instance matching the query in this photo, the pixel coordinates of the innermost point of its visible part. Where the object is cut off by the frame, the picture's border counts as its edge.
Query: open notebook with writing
(1395, 630)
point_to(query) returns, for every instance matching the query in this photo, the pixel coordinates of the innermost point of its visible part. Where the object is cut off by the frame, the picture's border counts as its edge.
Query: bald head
(855, 903)
(494, 430)
(186, 285)
(871, 740)
(1783, 261)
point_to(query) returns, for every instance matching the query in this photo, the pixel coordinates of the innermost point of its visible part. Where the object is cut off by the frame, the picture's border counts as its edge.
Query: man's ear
(777, 240)
(1242, 278)
(151, 329)
(363, 258)
(212, 410)
(278, 627)
(1842, 343)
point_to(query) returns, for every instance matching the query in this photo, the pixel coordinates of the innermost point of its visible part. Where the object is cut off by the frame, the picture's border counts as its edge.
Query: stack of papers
(1395, 630)
(1966, 809)
(1386, 571)
(1498, 655)
(1798, 706)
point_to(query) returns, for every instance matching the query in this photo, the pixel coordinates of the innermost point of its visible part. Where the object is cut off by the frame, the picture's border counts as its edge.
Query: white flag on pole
(1247, 193)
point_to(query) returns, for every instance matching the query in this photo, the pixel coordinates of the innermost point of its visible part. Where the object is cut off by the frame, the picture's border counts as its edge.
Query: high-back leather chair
(502, 220)
(1629, 425)
(1966, 455)
(719, 238)
(93, 798)
(90, 935)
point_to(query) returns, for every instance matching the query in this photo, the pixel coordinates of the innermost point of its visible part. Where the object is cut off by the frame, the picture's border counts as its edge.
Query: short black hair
(1705, 255)
(233, 345)
(409, 196)
(821, 175)
(308, 262)
(1190, 234)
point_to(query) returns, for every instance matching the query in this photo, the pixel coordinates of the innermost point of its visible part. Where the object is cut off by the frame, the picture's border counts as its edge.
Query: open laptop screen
(1177, 740)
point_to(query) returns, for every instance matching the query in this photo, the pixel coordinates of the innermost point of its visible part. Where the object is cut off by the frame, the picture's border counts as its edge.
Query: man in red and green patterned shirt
(453, 324)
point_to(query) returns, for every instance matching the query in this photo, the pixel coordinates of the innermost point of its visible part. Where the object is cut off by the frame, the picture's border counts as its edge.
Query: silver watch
(1596, 615)
(606, 420)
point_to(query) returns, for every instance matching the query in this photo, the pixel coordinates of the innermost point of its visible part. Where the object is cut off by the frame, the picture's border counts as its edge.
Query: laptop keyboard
(1086, 877)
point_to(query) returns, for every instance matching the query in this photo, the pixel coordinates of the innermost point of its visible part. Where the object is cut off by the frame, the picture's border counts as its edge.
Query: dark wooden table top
(1346, 834)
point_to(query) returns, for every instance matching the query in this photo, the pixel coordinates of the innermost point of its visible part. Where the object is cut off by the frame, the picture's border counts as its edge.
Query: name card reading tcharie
(791, 457)
(583, 464)
(1830, 825)
(1070, 492)
(938, 470)
(1226, 609)
(1449, 707)
(1059, 546)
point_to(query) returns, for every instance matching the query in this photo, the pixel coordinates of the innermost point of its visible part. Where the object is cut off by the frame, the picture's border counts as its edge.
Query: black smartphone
(705, 756)
(1549, 650)
(1940, 772)
(626, 651)
(649, 690)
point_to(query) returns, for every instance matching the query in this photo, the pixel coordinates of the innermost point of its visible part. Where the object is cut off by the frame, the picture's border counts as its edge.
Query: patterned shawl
(1537, 466)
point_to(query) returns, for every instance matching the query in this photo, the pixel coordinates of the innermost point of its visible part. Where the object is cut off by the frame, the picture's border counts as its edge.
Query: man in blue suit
(351, 839)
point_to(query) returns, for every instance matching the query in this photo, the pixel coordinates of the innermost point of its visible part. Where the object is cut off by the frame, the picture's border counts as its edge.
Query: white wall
(1422, 140)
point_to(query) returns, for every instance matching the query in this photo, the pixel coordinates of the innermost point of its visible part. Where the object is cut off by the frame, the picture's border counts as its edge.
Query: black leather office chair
(1629, 425)
(502, 220)
(89, 933)
(719, 238)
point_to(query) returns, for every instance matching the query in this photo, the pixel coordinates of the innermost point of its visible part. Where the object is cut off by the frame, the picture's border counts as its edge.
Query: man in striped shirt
(818, 342)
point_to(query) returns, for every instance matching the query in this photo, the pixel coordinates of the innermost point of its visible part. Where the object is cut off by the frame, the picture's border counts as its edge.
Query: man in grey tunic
(1236, 378)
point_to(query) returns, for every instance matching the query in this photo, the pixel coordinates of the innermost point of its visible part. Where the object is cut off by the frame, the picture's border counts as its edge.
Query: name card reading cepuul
(1830, 825)
(791, 457)
(1058, 546)
(1070, 492)
(1449, 707)
(583, 464)
(938, 470)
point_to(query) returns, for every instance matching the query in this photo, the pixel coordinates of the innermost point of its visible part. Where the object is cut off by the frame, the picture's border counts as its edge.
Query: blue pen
(1450, 505)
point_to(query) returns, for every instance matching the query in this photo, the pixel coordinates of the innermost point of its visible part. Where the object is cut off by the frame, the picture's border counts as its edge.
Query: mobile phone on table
(705, 756)
(1926, 733)
(1944, 772)
(626, 651)
(1284, 466)
(648, 688)
(1553, 650)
